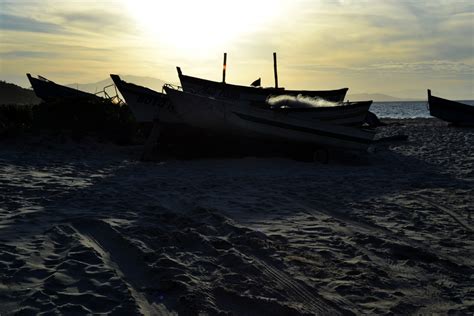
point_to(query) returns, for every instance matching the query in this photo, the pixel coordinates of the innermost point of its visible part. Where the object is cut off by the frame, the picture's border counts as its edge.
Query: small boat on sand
(241, 118)
(451, 111)
(250, 93)
(48, 91)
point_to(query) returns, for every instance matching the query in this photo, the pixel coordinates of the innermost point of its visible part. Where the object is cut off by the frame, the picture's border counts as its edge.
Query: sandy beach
(86, 228)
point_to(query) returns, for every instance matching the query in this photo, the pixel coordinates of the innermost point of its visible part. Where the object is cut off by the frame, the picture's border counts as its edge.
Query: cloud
(421, 67)
(425, 67)
(27, 54)
(363, 44)
(98, 21)
(57, 16)
(18, 23)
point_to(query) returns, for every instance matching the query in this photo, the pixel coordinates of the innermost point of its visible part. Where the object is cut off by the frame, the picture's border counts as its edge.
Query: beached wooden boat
(451, 111)
(240, 118)
(144, 103)
(250, 93)
(48, 91)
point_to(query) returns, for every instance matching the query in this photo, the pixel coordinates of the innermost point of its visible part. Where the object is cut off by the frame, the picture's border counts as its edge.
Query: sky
(395, 47)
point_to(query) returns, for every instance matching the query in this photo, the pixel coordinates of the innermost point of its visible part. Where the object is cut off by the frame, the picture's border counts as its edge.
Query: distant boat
(48, 90)
(239, 118)
(451, 111)
(250, 93)
(144, 103)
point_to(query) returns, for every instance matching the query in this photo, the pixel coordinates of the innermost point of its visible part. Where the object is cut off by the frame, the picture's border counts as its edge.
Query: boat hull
(242, 119)
(346, 113)
(451, 111)
(49, 91)
(146, 104)
(225, 90)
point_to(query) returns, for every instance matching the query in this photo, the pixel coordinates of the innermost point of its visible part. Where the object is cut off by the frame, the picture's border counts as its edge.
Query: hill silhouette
(376, 97)
(13, 94)
(157, 84)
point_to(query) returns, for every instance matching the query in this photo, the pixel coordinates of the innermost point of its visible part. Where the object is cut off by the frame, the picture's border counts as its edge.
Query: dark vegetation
(13, 94)
(76, 119)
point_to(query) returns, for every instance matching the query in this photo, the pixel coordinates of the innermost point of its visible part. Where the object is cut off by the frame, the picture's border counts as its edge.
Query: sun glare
(201, 25)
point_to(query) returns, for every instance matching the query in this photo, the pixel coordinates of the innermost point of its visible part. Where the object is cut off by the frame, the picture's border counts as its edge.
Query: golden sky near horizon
(396, 47)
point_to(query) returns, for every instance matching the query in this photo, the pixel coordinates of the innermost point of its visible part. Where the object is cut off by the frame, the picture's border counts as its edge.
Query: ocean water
(406, 109)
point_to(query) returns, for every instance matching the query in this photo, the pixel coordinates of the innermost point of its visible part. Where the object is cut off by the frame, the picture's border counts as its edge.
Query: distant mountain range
(149, 82)
(12, 94)
(157, 84)
(376, 97)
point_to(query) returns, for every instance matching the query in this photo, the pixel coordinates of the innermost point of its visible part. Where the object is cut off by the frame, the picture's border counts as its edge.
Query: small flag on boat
(256, 83)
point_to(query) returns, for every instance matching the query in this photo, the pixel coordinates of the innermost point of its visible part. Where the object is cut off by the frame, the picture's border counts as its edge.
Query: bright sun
(201, 24)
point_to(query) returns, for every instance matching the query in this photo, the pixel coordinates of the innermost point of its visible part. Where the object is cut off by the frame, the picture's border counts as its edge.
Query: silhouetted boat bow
(451, 111)
(48, 90)
(144, 103)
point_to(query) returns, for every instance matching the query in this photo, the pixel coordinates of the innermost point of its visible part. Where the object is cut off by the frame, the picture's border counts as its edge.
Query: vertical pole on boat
(275, 69)
(429, 99)
(224, 66)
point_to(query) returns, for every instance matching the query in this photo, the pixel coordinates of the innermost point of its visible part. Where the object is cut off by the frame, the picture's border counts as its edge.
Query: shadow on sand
(215, 235)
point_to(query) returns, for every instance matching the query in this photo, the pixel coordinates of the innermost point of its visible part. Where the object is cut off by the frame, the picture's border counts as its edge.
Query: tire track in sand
(118, 254)
(299, 292)
(444, 209)
(377, 231)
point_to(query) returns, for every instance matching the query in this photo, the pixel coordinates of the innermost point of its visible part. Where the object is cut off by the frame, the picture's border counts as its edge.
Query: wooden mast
(224, 66)
(275, 69)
